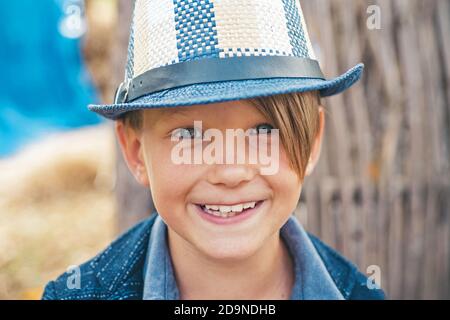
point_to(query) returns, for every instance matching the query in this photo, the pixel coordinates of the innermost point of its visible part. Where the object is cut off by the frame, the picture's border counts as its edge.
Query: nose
(231, 175)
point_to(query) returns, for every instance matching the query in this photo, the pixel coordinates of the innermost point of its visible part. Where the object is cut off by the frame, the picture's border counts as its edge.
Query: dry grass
(56, 208)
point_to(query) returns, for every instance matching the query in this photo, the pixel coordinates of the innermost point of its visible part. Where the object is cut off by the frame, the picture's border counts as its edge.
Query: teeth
(249, 205)
(228, 211)
(237, 208)
(224, 209)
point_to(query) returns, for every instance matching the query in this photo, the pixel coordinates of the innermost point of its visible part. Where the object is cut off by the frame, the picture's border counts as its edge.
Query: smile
(229, 212)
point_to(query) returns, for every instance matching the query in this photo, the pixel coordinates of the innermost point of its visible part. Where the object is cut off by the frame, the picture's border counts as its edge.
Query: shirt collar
(312, 280)
(159, 279)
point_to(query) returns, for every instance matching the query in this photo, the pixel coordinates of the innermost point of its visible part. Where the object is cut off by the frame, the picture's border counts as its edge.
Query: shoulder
(350, 281)
(115, 273)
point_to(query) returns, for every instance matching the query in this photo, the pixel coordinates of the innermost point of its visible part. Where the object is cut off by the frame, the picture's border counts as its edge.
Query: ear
(317, 144)
(131, 146)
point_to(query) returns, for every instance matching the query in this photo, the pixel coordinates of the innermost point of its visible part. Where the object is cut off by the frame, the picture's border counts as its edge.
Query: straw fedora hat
(187, 52)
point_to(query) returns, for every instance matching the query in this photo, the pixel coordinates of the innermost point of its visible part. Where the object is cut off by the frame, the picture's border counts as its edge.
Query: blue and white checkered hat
(187, 52)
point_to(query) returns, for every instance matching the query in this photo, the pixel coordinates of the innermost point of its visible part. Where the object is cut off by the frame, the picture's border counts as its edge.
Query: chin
(229, 250)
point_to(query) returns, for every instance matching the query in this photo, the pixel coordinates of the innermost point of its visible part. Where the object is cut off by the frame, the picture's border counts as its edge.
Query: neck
(267, 274)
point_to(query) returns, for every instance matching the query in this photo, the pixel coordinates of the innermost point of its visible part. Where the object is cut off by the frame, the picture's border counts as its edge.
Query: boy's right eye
(187, 133)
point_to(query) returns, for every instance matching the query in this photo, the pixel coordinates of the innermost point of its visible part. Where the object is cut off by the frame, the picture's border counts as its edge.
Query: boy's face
(181, 191)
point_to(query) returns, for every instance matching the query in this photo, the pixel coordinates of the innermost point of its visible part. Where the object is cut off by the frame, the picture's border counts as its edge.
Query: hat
(187, 52)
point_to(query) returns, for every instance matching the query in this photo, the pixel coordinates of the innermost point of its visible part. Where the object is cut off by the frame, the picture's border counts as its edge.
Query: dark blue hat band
(210, 70)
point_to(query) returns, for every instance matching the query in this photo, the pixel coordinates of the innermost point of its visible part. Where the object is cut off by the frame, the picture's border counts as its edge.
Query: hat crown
(166, 32)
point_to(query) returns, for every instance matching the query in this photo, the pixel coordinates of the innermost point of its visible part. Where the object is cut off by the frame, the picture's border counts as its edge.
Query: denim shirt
(312, 280)
(120, 272)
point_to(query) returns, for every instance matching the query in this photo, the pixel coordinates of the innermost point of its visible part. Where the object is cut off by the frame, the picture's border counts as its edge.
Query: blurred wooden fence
(380, 194)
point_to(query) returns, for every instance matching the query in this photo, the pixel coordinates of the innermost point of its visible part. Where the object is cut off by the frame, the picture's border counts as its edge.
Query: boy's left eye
(263, 128)
(187, 133)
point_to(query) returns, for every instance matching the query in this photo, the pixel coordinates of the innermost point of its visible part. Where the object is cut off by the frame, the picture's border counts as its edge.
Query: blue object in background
(44, 84)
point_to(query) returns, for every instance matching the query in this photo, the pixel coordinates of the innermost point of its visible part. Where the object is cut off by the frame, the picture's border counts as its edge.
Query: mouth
(228, 213)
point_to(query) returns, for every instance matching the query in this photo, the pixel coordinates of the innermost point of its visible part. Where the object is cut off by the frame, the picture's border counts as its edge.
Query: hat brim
(205, 93)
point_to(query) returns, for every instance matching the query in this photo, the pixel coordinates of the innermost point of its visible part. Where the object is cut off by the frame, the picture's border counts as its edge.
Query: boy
(201, 75)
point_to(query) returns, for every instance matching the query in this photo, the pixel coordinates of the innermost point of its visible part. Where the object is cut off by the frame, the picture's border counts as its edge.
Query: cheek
(286, 185)
(169, 183)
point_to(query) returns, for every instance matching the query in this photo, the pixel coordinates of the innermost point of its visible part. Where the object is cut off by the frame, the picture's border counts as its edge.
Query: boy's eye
(264, 128)
(187, 133)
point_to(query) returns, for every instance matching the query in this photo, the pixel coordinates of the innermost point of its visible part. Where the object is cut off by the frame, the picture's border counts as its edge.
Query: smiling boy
(223, 228)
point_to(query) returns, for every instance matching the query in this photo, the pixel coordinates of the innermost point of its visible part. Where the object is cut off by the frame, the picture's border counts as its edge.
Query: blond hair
(296, 115)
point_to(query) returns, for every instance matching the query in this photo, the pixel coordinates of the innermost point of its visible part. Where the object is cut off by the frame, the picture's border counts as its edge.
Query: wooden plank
(414, 176)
